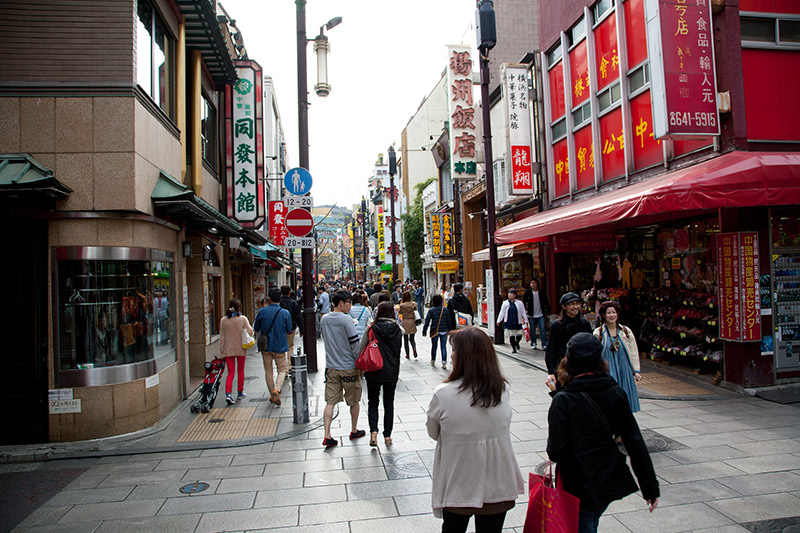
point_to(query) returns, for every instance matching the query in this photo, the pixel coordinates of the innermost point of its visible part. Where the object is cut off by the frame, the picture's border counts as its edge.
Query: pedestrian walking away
(537, 306)
(620, 351)
(583, 418)
(419, 298)
(461, 304)
(439, 321)
(388, 335)
(274, 324)
(360, 312)
(475, 471)
(407, 309)
(342, 379)
(231, 349)
(561, 331)
(512, 316)
(291, 305)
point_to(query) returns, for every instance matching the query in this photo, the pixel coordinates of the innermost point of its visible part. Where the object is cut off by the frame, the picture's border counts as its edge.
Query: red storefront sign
(647, 151)
(606, 56)
(583, 241)
(739, 273)
(561, 166)
(579, 74)
(684, 88)
(557, 105)
(612, 145)
(635, 32)
(277, 222)
(584, 153)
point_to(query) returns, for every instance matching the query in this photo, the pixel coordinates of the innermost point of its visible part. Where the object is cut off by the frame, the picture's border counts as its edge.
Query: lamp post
(364, 251)
(307, 255)
(487, 38)
(392, 172)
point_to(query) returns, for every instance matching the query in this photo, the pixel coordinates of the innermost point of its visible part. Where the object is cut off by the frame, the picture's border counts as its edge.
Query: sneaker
(330, 442)
(357, 434)
(229, 399)
(544, 347)
(241, 395)
(444, 366)
(407, 357)
(433, 362)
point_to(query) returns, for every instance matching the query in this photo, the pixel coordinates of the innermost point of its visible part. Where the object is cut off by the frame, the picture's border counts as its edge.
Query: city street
(727, 463)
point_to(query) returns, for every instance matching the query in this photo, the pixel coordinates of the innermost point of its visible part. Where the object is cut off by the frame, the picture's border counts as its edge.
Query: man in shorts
(342, 379)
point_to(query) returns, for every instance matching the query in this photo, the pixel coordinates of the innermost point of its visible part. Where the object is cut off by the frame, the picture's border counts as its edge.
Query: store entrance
(23, 328)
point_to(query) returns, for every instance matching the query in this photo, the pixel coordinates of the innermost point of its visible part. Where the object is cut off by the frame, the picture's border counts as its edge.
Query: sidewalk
(726, 465)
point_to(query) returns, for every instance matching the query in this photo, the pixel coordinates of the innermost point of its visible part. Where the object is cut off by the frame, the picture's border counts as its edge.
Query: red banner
(635, 32)
(579, 74)
(584, 153)
(751, 289)
(584, 241)
(612, 145)
(606, 56)
(561, 166)
(277, 222)
(647, 150)
(557, 105)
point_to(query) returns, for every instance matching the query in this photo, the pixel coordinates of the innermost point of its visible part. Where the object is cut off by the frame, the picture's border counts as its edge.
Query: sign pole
(307, 255)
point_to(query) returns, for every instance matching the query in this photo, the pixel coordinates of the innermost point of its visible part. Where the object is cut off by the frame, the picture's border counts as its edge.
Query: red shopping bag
(370, 359)
(526, 330)
(550, 509)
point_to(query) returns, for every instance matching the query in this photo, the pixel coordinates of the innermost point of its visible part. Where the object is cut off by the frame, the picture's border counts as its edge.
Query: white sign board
(518, 132)
(298, 201)
(62, 407)
(490, 311)
(152, 381)
(300, 242)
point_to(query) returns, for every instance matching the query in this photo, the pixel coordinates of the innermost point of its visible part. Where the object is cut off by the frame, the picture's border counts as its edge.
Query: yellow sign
(381, 241)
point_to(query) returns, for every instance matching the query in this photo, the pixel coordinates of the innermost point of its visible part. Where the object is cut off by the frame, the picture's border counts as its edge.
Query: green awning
(386, 267)
(203, 33)
(22, 175)
(258, 251)
(173, 198)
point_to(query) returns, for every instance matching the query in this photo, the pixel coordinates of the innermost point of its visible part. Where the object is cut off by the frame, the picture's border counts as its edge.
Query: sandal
(373, 438)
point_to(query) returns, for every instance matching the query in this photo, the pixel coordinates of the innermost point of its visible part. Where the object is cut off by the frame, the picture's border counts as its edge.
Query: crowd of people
(592, 377)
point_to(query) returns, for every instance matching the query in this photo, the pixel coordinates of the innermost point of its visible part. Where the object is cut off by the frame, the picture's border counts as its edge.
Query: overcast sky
(386, 56)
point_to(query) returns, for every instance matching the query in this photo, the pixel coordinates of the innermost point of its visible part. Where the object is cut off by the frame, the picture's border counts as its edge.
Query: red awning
(736, 179)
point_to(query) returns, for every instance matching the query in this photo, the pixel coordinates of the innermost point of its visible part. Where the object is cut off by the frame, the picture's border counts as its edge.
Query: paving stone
(373, 460)
(82, 527)
(169, 489)
(144, 478)
(338, 527)
(766, 463)
(755, 484)
(248, 520)
(100, 511)
(254, 484)
(222, 461)
(714, 453)
(426, 522)
(264, 458)
(694, 492)
(302, 496)
(124, 467)
(86, 481)
(223, 472)
(769, 447)
(695, 515)
(162, 524)
(44, 516)
(413, 504)
(200, 503)
(356, 475)
(107, 494)
(761, 507)
(348, 511)
(383, 489)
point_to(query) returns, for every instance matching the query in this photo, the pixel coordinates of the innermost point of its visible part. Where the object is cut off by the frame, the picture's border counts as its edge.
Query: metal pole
(391, 201)
(307, 255)
(364, 251)
(492, 219)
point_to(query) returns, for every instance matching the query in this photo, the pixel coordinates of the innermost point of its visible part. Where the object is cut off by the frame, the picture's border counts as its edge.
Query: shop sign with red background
(647, 151)
(584, 241)
(606, 56)
(739, 299)
(613, 145)
(277, 222)
(557, 103)
(584, 153)
(682, 70)
(561, 166)
(579, 74)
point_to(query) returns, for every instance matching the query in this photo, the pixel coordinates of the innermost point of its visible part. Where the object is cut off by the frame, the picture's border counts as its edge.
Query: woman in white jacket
(474, 468)
(512, 316)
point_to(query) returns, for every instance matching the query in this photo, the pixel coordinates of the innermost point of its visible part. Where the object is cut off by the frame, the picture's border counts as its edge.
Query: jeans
(420, 306)
(534, 323)
(588, 520)
(234, 363)
(484, 523)
(373, 400)
(410, 337)
(442, 339)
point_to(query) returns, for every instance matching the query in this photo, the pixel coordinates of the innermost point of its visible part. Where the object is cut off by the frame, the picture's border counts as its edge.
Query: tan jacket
(626, 335)
(230, 335)
(407, 311)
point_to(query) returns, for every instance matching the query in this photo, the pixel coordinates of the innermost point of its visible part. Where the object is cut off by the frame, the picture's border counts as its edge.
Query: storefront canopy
(503, 252)
(446, 266)
(736, 179)
(22, 176)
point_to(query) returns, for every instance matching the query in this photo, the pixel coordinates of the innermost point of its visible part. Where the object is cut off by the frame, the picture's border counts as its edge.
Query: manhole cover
(775, 525)
(194, 488)
(216, 420)
(656, 442)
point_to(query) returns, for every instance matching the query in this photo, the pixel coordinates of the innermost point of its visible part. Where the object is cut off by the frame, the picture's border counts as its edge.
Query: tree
(414, 231)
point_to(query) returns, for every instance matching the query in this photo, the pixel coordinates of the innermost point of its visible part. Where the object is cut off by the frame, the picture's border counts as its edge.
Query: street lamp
(307, 255)
(487, 38)
(322, 47)
(392, 172)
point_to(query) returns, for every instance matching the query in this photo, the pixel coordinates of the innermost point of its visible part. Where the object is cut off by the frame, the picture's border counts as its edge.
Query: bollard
(299, 377)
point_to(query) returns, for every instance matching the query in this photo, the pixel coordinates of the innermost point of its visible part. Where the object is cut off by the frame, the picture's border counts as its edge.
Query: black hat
(584, 351)
(569, 297)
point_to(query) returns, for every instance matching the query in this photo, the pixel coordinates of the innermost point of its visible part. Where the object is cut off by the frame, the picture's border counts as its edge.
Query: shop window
(208, 133)
(581, 115)
(768, 29)
(576, 32)
(559, 129)
(500, 182)
(601, 8)
(638, 79)
(213, 306)
(789, 31)
(446, 181)
(554, 55)
(115, 306)
(154, 57)
(758, 29)
(609, 97)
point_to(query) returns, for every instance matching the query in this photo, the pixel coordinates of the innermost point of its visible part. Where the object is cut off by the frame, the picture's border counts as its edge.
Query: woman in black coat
(581, 441)
(389, 335)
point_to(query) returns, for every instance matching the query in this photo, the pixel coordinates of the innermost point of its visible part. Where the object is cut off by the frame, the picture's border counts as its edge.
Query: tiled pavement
(732, 461)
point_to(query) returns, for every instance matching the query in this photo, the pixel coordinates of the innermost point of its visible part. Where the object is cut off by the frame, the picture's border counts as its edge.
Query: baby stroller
(208, 393)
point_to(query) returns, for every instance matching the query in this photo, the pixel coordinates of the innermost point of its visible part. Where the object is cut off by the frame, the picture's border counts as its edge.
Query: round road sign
(299, 222)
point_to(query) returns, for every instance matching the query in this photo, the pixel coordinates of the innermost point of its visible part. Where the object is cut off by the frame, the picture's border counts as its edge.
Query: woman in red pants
(230, 347)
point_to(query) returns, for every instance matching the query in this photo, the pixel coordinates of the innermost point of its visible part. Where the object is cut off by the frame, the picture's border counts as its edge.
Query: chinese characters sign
(583, 241)
(681, 46)
(244, 146)
(277, 222)
(515, 88)
(739, 271)
(463, 163)
(381, 236)
(606, 56)
(447, 234)
(436, 234)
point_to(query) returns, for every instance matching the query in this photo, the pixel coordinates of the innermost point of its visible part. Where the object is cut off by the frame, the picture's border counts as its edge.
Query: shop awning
(21, 175)
(503, 252)
(173, 198)
(736, 179)
(257, 251)
(204, 34)
(446, 266)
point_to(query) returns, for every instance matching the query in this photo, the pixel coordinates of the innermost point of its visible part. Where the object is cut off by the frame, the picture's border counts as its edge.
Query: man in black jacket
(293, 307)
(561, 331)
(459, 303)
(538, 309)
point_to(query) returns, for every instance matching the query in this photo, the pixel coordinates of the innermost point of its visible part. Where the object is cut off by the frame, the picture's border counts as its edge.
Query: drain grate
(194, 488)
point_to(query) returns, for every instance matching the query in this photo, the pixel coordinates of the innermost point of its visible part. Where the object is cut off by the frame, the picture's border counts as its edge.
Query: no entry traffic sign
(299, 222)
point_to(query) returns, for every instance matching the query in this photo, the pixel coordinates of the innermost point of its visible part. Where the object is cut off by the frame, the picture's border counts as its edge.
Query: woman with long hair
(388, 334)
(620, 351)
(584, 417)
(474, 468)
(440, 323)
(230, 347)
(407, 309)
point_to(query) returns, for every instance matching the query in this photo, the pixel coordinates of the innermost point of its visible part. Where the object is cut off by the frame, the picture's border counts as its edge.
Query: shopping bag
(417, 318)
(370, 358)
(463, 320)
(526, 330)
(247, 340)
(550, 509)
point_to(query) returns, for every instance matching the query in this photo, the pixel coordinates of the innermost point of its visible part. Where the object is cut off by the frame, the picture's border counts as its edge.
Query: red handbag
(550, 509)
(370, 358)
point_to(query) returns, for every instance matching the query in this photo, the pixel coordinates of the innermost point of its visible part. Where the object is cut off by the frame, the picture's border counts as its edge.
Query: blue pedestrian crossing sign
(297, 181)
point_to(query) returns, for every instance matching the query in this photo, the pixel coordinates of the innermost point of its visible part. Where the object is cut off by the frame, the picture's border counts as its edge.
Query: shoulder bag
(370, 359)
(435, 332)
(247, 340)
(417, 318)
